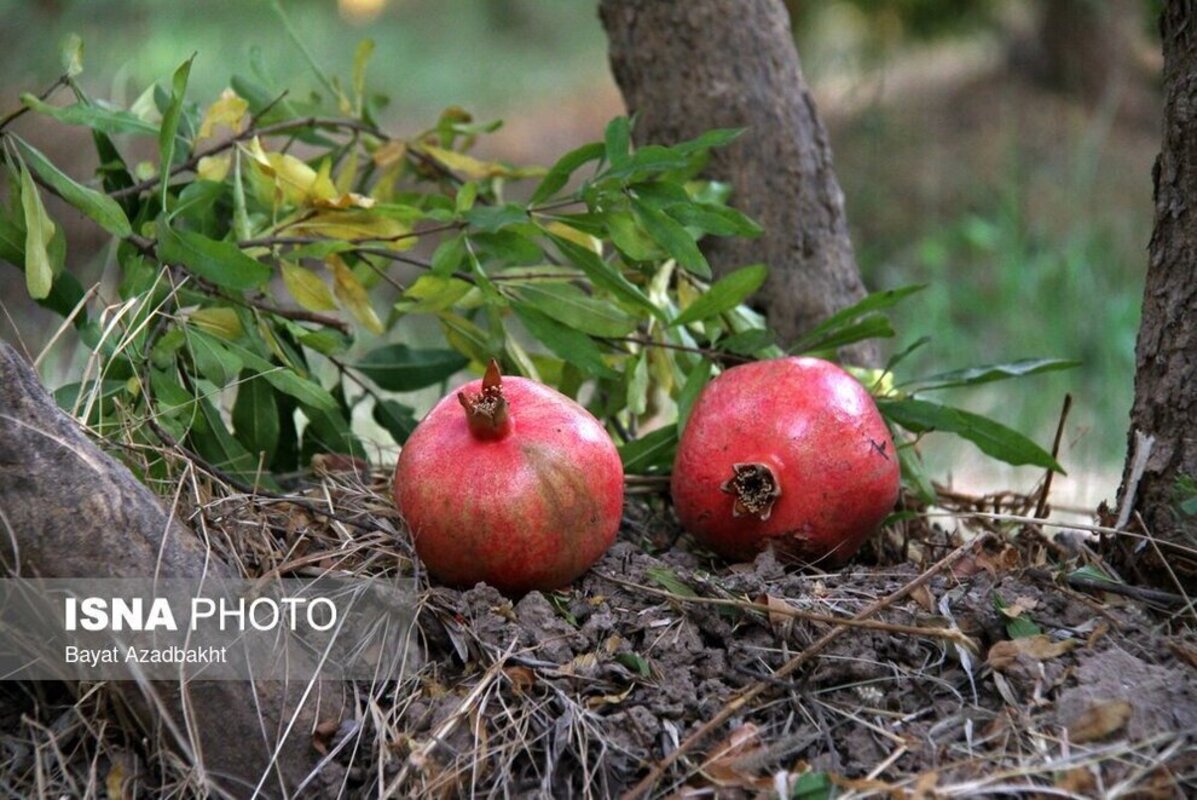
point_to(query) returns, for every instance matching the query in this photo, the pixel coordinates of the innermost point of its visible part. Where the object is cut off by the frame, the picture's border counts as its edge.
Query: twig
(16, 114)
(810, 616)
(1041, 508)
(822, 643)
(1157, 596)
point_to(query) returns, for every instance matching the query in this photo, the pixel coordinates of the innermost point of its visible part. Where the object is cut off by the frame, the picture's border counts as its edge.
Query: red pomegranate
(790, 451)
(510, 483)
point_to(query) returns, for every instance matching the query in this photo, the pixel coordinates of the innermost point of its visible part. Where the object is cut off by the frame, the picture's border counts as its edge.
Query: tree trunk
(687, 67)
(1165, 406)
(1085, 46)
(69, 510)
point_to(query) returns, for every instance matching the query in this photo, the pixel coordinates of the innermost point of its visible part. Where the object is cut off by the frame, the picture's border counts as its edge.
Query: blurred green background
(977, 151)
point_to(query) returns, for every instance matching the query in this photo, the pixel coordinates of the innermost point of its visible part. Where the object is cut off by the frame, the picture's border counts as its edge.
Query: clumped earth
(991, 676)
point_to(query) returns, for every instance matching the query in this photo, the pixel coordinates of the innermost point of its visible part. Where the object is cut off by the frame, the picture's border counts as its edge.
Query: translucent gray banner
(334, 627)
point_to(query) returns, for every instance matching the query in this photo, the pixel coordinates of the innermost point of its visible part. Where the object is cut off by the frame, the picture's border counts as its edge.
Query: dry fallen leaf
(1099, 721)
(1040, 648)
(1077, 781)
(922, 596)
(522, 678)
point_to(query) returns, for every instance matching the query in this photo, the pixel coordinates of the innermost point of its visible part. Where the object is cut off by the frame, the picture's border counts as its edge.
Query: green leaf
(668, 580)
(575, 347)
(828, 328)
(717, 220)
(560, 173)
(110, 121)
(605, 276)
(874, 326)
(39, 231)
(1017, 627)
(213, 358)
(914, 474)
(718, 137)
(285, 379)
(492, 218)
(570, 306)
(637, 394)
(398, 368)
(398, 420)
(255, 416)
(636, 663)
(448, 256)
(1092, 572)
(100, 207)
(652, 451)
(170, 125)
(725, 294)
(630, 238)
(222, 263)
(329, 432)
(695, 382)
(973, 376)
(812, 786)
(617, 139)
(213, 441)
(747, 342)
(676, 240)
(993, 438)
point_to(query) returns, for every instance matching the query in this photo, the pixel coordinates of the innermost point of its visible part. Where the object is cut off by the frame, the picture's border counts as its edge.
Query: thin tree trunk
(1165, 406)
(687, 67)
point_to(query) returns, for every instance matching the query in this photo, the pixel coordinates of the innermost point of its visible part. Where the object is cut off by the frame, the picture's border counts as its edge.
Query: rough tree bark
(69, 510)
(1165, 406)
(687, 67)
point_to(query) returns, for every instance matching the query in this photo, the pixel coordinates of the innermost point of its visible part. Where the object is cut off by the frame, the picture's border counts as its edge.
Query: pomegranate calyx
(755, 488)
(486, 412)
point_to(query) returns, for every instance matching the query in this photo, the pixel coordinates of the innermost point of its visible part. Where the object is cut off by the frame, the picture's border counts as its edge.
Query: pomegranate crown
(486, 412)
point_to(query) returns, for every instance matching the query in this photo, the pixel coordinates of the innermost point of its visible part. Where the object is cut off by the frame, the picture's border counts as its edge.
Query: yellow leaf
(39, 230)
(465, 165)
(322, 188)
(221, 321)
(227, 112)
(353, 295)
(390, 154)
(307, 288)
(348, 173)
(357, 225)
(214, 168)
(281, 178)
(576, 236)
(361, 57)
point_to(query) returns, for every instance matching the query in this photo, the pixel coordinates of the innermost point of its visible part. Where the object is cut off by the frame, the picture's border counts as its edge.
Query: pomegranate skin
(531, 506)
(819, 436)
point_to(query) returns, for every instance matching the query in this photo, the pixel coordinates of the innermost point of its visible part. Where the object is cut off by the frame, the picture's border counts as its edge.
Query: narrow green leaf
(637, 394)
(747, 343)
(676, 240)
(213, 358)
(447, 257)
(973, 376)
(725, 294)
(398, 420)
(170, 125)
(668, 580)
(652, 451)
(213, 441)
(696, 381)
(878, 301)
(812, 786)
(12, 240)
(717, 220)
(617, 139)
(605, 276)
(1017, 627)
(874, 326)
(110, 121)
(575, 347)
(490, 219)
(399, 368)
(636, 663)
(328, 431)
(255, 416)
(560, 173)
(285, 379)
(630, 238)
(100, 207)
(39, 230)
(570, 306)
(992, 438)
(718, 137)
(914, 474)
(222, 263)
(71, 55)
